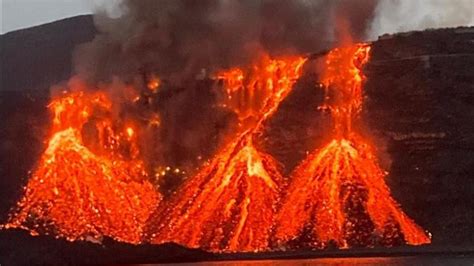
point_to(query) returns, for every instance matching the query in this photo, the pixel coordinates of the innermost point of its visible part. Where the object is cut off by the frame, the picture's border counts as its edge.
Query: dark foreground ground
(419, 109)
(18, 248)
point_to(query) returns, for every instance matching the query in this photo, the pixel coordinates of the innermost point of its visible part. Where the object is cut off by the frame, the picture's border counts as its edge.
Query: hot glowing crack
(82, 189)
(230, 204)
(77, 193)
(338, 192)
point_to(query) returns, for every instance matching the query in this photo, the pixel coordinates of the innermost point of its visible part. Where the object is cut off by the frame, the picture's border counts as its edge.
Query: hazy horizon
(390, 16)
(19, 14)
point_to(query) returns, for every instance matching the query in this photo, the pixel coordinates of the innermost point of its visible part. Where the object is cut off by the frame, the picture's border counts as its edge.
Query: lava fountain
(81, 191)
(338, 195)
(230, 204)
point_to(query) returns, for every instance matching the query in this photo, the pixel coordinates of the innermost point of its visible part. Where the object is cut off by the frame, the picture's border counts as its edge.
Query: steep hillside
(419, 110)
(38, 57)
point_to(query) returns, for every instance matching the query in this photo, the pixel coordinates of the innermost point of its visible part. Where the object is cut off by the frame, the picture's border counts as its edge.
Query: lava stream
(338, 192)
(327, 189)
(217, 209)
(78, 193)
(230, 204)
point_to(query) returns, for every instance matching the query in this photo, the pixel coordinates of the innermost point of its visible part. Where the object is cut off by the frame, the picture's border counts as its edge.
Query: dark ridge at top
(38, 57)
(428, 32)
(419, 99)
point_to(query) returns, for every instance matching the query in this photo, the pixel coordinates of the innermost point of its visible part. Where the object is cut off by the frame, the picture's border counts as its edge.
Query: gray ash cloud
(178, 38)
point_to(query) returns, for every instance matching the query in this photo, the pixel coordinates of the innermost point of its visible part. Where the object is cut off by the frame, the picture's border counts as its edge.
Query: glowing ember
(154, 83)
(229, 205)
(217, 209)
(78, 193)
(338, 192)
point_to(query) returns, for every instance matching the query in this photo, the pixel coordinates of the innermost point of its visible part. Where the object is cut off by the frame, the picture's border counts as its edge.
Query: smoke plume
(177, 39)
(393, 16)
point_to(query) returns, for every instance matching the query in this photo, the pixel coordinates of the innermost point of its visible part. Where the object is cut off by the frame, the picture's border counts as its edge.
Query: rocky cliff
(418, 109)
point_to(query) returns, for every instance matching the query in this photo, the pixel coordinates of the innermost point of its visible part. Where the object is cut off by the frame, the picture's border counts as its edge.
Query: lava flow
(230, 204)
(87, 192)
(338, 195)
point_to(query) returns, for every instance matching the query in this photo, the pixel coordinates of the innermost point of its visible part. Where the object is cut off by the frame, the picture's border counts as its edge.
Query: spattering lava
(77, 192)
(90, 181)
(230, 204)
(338, 195)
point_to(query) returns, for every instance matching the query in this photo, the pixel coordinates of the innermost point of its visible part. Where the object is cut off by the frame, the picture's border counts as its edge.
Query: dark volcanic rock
(24, 123)
(39, 57)
(418, 109)
(18, 248)
(420, 100)
(32, 60)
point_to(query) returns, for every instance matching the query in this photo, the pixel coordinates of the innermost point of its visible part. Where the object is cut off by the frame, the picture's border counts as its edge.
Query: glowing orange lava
(81, 192)
(154, 83)
(256, 92)
(338, 194)
(229, 205)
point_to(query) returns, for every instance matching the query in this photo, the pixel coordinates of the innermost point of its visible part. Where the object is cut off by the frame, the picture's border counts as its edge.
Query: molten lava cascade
(84, 192)
(229, 205)
(338, 194)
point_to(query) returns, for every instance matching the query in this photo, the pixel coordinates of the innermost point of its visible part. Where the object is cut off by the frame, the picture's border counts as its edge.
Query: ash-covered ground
(418, 110)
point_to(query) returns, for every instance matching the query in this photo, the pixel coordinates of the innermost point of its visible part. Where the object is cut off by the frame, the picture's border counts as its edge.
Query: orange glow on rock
(230, 204)
(258, 90)
(130, 132)
(90, 181)
(77, 192)
(340, 186)
(217, 209)
(154, 83)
